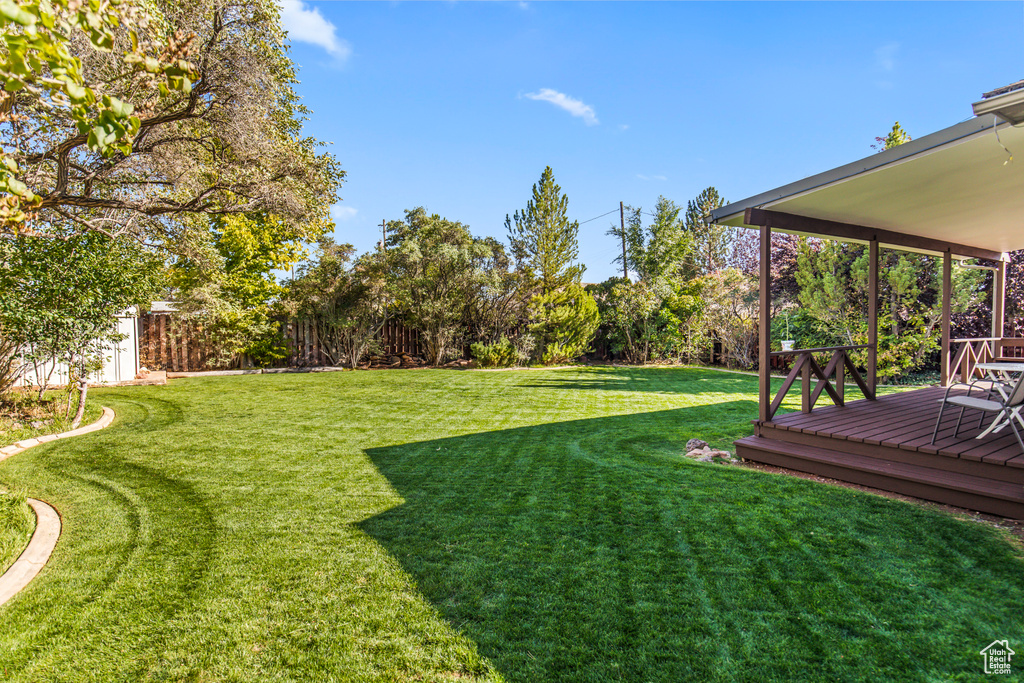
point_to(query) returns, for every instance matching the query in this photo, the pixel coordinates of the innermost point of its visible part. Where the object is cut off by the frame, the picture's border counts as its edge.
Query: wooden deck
(886, 444)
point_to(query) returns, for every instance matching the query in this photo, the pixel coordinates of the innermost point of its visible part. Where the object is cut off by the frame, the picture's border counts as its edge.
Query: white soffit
(964, 191)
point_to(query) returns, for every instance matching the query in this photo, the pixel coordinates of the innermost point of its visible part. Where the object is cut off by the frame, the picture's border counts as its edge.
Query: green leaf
(77, 93)
(12, 12)
(16, 187)
(121, 109)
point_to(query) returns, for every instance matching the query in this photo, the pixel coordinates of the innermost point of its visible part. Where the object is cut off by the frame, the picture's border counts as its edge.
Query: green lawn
(17, 522)
(446, 525)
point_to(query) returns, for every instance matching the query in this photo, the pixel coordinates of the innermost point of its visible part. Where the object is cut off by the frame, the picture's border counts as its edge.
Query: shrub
(500, 354)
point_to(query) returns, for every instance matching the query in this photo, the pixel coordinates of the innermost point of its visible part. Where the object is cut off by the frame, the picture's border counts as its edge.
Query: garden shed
(120, 360)
(956, 194)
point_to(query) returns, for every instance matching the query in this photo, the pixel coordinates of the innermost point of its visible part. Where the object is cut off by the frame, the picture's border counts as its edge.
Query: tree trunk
(45, 383)
(83, 389)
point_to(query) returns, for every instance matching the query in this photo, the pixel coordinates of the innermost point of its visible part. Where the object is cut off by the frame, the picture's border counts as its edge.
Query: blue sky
(458, 107)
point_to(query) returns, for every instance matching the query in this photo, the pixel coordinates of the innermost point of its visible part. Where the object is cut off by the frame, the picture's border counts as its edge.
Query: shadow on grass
(674, 380)
(589, 550)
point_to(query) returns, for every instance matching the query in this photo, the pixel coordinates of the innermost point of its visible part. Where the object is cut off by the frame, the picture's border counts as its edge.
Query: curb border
(48, 525)
(40, 547)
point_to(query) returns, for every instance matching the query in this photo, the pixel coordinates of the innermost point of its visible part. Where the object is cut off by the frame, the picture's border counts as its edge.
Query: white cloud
(885, 56)
(569, 104)
(641, 176)
(343, 213)
(306, 25)
(623, 126)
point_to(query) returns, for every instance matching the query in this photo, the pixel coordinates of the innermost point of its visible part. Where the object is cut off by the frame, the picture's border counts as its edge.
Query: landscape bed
(452, 525)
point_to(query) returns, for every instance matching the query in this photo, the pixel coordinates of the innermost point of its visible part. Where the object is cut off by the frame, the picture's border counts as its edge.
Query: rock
(37, 425)
(706, 458)
(695, 445)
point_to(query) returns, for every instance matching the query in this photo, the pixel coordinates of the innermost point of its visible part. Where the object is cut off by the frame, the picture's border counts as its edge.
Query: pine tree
(543, 240)
(711, 241)
(896, 137)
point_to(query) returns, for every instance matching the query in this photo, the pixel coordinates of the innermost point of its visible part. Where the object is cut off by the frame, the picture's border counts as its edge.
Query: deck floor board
(906, 420)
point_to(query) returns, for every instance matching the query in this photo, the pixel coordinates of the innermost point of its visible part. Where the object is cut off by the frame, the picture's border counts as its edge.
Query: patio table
(1002, 375)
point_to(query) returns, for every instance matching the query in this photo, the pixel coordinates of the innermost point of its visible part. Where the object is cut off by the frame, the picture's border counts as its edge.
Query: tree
(346, 300)
(497, 306)
(659, 249)
(651, 320)
(226, 290)
(711, 241)
(437, 268)
(544, 242)
(833, 279)
(732, 311)
(896, 137)
(564, 322)
(59, 298)
(120, 118)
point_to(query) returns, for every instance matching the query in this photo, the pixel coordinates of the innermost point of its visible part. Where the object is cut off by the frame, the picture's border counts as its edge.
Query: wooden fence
(162, 347)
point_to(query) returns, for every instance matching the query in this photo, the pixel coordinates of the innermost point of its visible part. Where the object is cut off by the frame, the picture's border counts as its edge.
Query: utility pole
(384, 235)
(622, 224)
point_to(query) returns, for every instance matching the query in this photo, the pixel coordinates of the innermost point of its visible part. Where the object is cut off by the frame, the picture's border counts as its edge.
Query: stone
(36, 425)
(706, 458)
(695, 445)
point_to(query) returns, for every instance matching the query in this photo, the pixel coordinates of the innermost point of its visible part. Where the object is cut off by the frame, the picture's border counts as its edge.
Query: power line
(601, 216)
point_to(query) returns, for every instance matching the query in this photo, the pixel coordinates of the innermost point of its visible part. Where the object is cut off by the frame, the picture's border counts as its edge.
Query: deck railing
(807, 367)
(970, 352)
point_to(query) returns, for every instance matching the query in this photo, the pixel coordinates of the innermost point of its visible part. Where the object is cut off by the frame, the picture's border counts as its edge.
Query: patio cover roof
(956, 186)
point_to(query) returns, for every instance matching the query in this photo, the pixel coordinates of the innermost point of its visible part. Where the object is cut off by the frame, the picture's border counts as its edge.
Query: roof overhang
(958, 189)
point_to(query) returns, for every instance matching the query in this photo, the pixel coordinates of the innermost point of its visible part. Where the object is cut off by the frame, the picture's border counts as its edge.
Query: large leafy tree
(654, 317)
(544, 241)
(226, 289)
(347, 300)
(438, 269)
(59, 297)
(125, 118)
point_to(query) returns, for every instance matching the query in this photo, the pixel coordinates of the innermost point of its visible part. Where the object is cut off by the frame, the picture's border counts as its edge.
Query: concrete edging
(40, 547)
(48, 526)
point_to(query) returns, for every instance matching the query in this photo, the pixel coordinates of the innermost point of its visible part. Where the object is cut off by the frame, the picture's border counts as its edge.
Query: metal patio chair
(1008, 406)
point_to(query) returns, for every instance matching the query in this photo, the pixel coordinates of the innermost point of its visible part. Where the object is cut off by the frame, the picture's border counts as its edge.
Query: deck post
(873, 317)
(947, 300)
(998, 308)
(765, 327)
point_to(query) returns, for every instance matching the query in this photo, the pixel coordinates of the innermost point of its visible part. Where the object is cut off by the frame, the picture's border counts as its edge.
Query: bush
(500, 354)
(268, 348)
